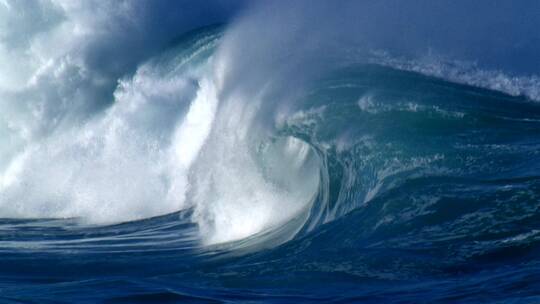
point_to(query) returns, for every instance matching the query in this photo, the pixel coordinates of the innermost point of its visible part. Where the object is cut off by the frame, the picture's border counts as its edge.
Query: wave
(153, 152)
(237, 158)
(176, 138)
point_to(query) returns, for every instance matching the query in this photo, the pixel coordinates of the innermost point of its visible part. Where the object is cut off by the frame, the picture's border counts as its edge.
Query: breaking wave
(379, 169)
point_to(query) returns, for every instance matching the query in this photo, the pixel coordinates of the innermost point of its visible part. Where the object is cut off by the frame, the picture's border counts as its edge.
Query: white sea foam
(116, 167)
(465, 73)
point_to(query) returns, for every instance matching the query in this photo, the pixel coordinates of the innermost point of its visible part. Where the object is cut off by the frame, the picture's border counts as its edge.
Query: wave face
(219, 175)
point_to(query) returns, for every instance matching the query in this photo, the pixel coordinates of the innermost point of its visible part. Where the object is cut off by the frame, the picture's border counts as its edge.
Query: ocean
(383, 180)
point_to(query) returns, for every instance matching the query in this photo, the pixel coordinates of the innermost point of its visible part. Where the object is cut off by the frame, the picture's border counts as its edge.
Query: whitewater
(231, 163)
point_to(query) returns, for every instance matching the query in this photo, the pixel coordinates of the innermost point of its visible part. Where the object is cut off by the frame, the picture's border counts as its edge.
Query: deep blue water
(427, 191)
